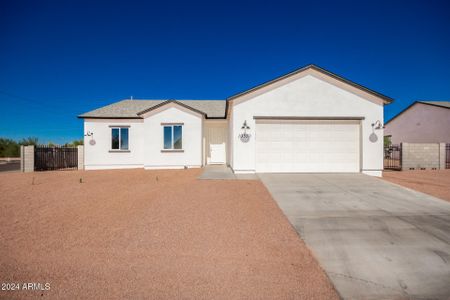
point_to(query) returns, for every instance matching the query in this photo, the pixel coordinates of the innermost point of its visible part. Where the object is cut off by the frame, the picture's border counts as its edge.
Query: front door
(217, 153)
(216, 133)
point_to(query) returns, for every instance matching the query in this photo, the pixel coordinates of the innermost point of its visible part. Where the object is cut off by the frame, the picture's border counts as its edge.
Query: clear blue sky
(62, 58)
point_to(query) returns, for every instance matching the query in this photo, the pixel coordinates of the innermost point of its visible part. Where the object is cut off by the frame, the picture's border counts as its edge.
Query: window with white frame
(119, 138)
(173, 137)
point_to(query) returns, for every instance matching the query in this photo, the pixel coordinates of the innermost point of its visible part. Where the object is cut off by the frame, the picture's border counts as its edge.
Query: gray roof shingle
(131, 108)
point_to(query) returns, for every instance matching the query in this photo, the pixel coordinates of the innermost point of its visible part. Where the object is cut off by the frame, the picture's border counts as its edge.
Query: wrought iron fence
(393, 157)
(55, 158)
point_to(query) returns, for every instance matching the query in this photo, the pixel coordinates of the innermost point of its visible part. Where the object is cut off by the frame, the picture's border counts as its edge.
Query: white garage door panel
(307, 146)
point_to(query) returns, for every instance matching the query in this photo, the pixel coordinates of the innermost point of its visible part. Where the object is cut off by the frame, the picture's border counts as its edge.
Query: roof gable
(168, 102)
(442, 104)
(322, 74)
(133, 109)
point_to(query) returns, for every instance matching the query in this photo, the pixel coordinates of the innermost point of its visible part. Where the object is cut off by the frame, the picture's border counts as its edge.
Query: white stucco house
(309, 120)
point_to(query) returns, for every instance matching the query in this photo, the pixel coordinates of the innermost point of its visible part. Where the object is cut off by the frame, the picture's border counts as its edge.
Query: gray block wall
(21, 159)
(27, 158)
(442, 155)
(419, 156)
(80, 157)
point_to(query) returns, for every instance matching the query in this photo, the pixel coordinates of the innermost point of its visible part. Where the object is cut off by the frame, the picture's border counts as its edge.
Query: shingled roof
(216, 109)
(132, 109)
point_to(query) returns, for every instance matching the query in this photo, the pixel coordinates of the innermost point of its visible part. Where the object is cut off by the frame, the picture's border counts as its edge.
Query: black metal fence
(447, 156)
(55, 158)
(393, 157)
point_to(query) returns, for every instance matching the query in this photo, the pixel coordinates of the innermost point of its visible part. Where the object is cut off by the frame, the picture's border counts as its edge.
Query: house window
(119, 138)
(173, 137)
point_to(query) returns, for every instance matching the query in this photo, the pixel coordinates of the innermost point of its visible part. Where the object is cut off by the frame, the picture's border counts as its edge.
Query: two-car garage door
(307, 146)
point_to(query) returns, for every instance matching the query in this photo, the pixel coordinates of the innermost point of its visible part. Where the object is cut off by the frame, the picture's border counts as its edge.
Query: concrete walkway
(224, 172)
(375, 240)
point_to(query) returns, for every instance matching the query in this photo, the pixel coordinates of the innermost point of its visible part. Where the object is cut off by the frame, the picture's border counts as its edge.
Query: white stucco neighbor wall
(152, 134)
(100, 156)
(307, 96)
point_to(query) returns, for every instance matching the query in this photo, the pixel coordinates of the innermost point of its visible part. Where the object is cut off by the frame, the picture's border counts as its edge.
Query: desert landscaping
(150, 234)
(433, 182)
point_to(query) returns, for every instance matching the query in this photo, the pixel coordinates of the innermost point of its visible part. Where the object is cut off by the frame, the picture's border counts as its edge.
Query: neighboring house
(421, 122)
(309, 120)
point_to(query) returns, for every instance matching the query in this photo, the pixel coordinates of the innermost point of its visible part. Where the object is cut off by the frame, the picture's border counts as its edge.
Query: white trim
(244, 171)
(373, 173)
(111, 127)
(172, 149)
(149, 167)
(113, 166)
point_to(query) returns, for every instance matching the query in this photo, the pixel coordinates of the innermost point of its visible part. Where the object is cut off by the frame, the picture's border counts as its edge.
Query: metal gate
(393, 157)
(55, 158)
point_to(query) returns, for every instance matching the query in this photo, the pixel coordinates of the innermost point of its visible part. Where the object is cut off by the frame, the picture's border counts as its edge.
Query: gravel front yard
(435, 183)
(150, 234)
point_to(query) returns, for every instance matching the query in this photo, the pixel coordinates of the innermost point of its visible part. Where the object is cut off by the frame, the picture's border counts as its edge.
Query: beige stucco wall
(421, 123)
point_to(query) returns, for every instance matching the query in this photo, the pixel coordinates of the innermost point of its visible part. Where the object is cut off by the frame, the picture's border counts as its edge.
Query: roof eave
(432, 104)
(105, 117)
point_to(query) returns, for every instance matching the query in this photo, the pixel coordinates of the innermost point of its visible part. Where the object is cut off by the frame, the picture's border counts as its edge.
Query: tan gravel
(138, 234)
(435, 183)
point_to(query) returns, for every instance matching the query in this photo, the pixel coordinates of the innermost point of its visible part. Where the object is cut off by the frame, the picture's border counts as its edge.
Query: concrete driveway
(375, 240)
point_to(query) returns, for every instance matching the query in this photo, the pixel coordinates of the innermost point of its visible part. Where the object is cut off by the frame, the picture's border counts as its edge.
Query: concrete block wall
(27, 158)
(419, 156)
(442, 155)
(21, 159)
(80, 157)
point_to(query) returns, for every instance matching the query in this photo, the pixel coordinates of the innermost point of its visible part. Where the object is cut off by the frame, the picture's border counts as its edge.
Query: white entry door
(218, 155)
(215, 135)
(307, 146)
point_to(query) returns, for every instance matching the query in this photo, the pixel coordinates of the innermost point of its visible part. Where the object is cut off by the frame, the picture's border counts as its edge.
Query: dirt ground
(435, 183)
(134, 234)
